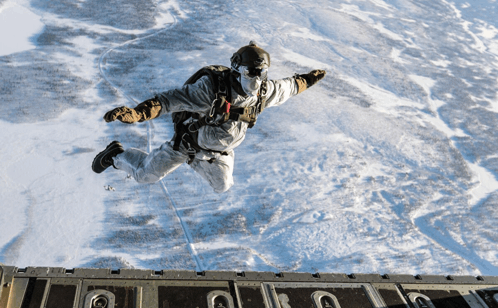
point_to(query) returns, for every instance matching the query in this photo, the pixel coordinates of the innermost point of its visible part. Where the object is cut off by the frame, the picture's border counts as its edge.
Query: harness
(187, 124)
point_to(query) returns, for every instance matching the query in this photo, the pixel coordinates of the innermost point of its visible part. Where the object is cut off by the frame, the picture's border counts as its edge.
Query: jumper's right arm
(195, 97)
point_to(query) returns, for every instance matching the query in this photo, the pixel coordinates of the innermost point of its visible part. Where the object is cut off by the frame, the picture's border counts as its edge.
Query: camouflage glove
(123, 114)
(305, 81)
(147, 110)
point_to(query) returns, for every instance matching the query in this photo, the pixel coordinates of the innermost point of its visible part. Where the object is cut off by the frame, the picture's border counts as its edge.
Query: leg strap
(185, 136)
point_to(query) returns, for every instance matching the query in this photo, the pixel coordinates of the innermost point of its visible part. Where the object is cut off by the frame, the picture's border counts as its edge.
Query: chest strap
(242, 114)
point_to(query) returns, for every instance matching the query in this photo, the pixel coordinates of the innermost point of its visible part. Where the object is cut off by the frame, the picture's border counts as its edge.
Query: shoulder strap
(214, 72)
(219, 77)
(222, 82)
(262, 96)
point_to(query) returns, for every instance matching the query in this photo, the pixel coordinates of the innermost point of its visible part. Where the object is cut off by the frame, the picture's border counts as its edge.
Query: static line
(186, 233)
(188, 236)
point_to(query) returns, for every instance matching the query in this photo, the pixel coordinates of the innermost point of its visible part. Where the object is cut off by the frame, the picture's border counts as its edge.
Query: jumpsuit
(197, 98)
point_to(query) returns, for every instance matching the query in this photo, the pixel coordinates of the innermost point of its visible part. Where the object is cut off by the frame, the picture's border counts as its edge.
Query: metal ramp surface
(35, 287)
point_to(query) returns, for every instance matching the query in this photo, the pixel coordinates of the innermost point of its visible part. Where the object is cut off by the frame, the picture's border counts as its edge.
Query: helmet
(251, 56)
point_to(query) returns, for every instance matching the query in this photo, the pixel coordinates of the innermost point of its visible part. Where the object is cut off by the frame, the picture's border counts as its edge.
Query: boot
(103, 160)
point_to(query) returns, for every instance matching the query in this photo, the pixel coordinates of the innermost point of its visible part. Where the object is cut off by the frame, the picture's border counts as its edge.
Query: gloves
(304, 81)
(123, 114)
(148, 110)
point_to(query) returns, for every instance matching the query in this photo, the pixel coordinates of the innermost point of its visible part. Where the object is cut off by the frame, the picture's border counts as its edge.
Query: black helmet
(251, 56)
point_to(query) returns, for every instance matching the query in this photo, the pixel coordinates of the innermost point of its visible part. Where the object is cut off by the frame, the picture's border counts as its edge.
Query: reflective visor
(252, 72)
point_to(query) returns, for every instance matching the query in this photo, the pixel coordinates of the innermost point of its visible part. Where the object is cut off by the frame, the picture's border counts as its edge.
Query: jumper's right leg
(151, 167)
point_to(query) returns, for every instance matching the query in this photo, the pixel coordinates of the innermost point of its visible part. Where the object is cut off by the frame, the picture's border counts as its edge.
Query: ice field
(388, 165)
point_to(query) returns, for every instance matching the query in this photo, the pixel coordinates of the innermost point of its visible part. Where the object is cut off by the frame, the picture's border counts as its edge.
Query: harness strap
(187, 138)
(243, 114)
(221, 110)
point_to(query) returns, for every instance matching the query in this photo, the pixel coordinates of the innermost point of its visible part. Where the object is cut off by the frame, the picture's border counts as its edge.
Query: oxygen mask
(252, 78)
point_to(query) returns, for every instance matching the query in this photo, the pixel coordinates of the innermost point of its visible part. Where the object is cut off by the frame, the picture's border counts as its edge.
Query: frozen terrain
(389, 165)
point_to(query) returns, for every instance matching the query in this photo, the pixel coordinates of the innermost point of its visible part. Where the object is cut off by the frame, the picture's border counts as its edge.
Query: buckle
(191, 155)
(210, 121)
(191, 151)
(221, 86)
(185, 140)
(250, 110)
(195, 128)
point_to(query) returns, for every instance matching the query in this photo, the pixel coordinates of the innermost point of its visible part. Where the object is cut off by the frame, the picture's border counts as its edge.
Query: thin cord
(186, 232)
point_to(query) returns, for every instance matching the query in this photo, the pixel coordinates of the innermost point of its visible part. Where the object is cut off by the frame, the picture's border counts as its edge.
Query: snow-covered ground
(389, 165)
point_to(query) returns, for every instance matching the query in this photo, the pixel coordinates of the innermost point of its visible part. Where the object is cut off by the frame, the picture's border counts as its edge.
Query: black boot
(103, 160)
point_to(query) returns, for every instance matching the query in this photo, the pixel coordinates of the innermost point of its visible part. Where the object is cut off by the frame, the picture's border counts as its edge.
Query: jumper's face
(251, 79)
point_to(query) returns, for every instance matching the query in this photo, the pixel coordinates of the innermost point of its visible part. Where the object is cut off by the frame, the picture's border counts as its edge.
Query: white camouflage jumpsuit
(197, 98)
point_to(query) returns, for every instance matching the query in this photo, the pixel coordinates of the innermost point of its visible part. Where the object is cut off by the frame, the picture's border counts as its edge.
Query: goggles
(252, 72)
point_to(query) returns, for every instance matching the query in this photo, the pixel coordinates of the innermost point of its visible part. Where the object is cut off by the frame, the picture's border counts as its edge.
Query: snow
(388, 165)
(486, 184)
(26, 25)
